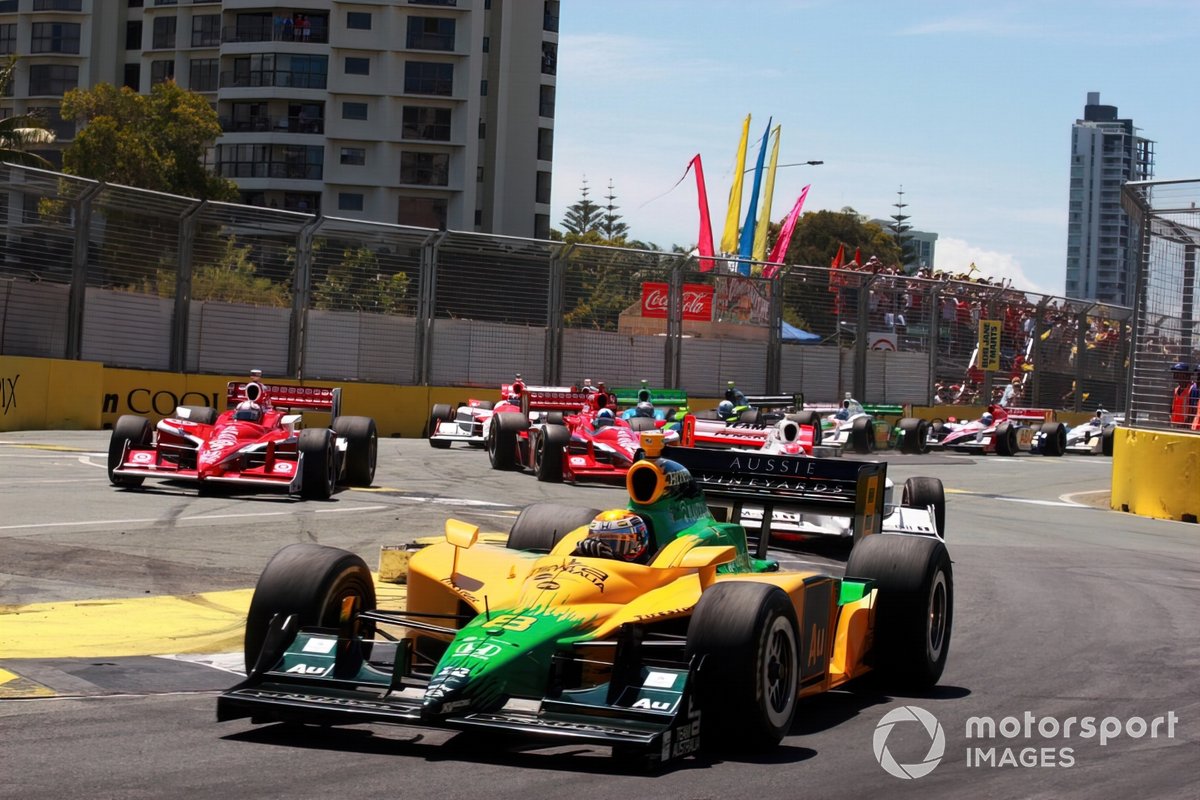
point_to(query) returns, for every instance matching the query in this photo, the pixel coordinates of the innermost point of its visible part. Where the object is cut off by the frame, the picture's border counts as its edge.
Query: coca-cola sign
(697, 300)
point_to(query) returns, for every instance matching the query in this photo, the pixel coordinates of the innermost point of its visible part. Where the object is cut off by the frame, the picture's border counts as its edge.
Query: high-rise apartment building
(438, 113)
(1101, 246)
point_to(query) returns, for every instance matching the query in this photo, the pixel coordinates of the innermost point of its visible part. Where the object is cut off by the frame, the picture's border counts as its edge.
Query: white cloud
(956, 256)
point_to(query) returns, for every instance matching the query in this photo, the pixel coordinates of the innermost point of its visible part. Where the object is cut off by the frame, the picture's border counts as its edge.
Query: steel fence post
(935, 332)
(425, 305)
(1039, 327)
(775, 335)
(181, 315)
(555, 301)
(301, 289)
(672, 348)
(1081, 356)
(79, 263)
(862, 342)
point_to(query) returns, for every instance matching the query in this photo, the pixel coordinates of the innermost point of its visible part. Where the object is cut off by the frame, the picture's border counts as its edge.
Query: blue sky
(966, 105)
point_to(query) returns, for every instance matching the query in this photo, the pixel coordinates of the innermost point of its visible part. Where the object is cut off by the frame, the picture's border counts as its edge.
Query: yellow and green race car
(703, 644)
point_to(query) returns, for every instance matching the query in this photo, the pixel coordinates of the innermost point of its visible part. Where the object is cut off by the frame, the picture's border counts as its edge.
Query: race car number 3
(510, 622)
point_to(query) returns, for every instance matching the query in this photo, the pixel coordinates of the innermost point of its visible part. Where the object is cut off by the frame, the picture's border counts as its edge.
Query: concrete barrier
(49, 394)
(1156, 474)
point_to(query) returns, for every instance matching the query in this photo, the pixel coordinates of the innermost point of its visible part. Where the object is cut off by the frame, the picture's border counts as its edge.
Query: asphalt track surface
(1062, 610)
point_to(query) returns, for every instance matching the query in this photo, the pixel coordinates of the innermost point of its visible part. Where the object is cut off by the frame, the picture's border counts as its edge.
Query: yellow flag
(764, 215)
(729, 239)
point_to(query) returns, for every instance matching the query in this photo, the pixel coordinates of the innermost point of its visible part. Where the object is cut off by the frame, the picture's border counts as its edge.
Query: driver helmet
(248, 411)
(623, 531)
(987, 418)
(725, 409)
(645, 409)
(604, 413)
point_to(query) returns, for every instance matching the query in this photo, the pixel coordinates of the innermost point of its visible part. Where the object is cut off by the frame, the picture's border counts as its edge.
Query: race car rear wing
(775, 400)
(874, 409)
(1030, 414)
(550, 399)
(305, 398)
(628, 397)
(731, 480)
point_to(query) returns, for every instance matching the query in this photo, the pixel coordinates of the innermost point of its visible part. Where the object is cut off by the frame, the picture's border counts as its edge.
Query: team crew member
(1184, 396)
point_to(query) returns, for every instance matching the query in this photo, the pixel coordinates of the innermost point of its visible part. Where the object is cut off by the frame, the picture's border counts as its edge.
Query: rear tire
(914, 612)
(362, 448)
(749, 679)
(916, 435)
(130, 430)
(925, 492)
(1054, 439)
(548, 453)
(639, 424)
(1006, 439)
(309, 580)
(543, 525)
(1106, 442)
(809, 418)
(862, 435)
(318, 464)
(502, 438)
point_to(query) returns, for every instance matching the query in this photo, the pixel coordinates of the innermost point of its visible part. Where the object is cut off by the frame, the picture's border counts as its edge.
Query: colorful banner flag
(764, 215)
(746, 245)
(857, 257)
(840, 258)
(779, 251)
(729, 239)
(705, 241)
(989, 344)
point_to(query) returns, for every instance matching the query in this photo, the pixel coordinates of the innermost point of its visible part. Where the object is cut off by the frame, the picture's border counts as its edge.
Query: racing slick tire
(1006, 439)
(748, 680)
(809, 418)
(548, 453)
(639, 424)
(916, 435)
(542, 525)
(554, 418)
(1054, 439)
(310, 581)
(749, 416)
(362, 448)
(318, 464)
(926, 492)
(862, 435)
(442, 412)
(205, 415)
(502, 438)
(914, 612)
(135, 431)
(485, 405)
(1106, 442)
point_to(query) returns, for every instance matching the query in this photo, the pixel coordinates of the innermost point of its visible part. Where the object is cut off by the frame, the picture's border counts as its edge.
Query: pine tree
(584, 215)
(899, 228)
(611, 225)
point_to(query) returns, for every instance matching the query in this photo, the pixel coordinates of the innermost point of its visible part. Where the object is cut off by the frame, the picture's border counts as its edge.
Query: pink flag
(705, 242)
(779, 251)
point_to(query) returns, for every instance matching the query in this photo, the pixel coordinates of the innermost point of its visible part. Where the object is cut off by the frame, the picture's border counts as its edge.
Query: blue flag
(746, 244)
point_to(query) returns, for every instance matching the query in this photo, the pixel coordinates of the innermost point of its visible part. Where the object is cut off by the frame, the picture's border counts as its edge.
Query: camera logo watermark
(1026, 741)
(932, 728)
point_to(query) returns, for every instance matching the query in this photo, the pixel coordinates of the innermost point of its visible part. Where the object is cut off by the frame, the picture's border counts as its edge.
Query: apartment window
(203, 74)
(550, 16)
(350, 201)
(425, 169)
(133, 35)
(433, 2)
(354, 110)
(422, 212)
(358, 66)
(542, 194)
(133, 76)
(250, 117)
(358, 20)
(164, 33)
(8, 5)
(57, 5)
(546, 102)
(487, 44)
(545, 146)
(64, 129)
(426, 123)
(424, 77)
(549, 58)
(135, 3)
(161, 71)
(483, 88)
(541, 226)
(52, 79)
(8, 38)
(206, 30)
(354, 156)
(55, 37)
(279, 69)
(430, 33)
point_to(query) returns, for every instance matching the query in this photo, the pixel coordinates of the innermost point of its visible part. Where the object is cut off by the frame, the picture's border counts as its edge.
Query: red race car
(577, 437)
(470, 422)
(254, 443)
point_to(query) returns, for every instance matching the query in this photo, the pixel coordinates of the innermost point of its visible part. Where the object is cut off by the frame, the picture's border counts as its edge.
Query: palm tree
(21, 132)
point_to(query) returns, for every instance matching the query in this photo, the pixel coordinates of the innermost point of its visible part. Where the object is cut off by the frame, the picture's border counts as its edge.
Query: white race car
(1096, 435)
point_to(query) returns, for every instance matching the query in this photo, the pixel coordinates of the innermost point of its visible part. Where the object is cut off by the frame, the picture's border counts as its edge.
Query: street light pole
(796, 164)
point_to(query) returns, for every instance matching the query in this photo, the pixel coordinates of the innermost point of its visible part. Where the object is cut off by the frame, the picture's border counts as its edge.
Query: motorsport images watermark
(1027, 740)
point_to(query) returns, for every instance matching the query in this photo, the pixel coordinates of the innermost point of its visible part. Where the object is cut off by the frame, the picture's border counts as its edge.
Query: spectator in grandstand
(1184, 395)
(1012, 393)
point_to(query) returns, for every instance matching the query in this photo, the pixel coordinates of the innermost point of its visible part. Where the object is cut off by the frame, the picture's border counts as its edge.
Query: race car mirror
(461, 534)
(707, 559)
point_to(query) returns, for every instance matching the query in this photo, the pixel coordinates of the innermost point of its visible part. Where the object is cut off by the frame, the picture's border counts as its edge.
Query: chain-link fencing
(144, 280)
